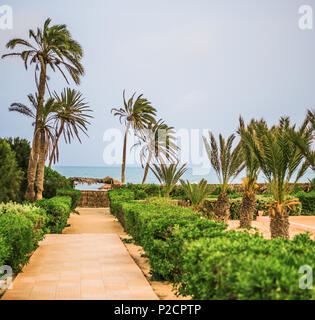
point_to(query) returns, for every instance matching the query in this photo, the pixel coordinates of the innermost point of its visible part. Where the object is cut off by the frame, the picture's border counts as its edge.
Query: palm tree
(196, 193)
(249, 183)
(158, 143)
(305, 145)
(71, 117)
(227, 164)
(136, 115)
(45, 132)
(51, 47)
(279, 158)
(168, 175)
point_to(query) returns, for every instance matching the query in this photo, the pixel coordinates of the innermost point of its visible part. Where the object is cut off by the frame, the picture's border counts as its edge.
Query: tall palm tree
(249, 182)
(51, 47)
(168, 175)
(45, 131)
(279, 159)
(70, 118)
(227, 164)
(158, 143)
(135, 115)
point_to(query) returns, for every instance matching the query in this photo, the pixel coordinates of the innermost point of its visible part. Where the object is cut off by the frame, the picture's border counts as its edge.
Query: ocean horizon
(135, 175)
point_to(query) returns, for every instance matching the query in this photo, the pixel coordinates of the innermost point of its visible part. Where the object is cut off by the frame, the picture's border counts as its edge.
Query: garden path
(87, 261)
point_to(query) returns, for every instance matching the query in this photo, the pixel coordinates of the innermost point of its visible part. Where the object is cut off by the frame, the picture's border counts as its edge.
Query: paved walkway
(84, 263)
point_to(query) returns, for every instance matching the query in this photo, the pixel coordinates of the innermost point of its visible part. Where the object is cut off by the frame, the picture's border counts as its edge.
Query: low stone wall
(93, 199)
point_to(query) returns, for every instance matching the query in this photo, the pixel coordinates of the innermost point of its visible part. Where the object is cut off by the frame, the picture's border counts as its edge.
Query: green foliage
(196, 193)
(5, 251)
(54, 181)
(142, 191)
(10, 174)
(308, 202)
(20, 232)
(237, 265)
(74, 194)
(168, 175)
(58, 210)
(22, 150)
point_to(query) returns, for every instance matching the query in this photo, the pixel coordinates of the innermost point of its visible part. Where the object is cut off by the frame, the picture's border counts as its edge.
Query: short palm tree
(279, 159)
(158, 143)
(45, 131)
(227, 164)
(168, 175)
(51, 47)
(196, 192)
(135, 114)
(70, 118)
(249, 183)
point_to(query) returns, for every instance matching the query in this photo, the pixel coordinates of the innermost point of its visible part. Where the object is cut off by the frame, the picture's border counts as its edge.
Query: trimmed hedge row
(73, 194)
(58, 211)
(308, 202)
(242, 266)
(205, 261)
(21, 227)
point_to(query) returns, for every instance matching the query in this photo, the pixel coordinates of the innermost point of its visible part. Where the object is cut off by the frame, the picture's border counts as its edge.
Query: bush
(5, 251)
(54, 181)
(74, 194)
(58, 211)
(237, 265)
(10, 174)
(151, 190)
(308, 202)
(17, 230)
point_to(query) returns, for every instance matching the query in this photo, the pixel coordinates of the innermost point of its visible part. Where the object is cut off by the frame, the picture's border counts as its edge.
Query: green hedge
(58, 210)
(242, 266)
(21, 227)
(74, 194)
(143, 191)
(308, 202)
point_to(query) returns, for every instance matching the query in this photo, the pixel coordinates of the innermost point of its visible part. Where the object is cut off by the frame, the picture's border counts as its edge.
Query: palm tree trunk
(31, 170)
(146, 170)
(247, 209)
(123, 166)
(222, 208)
(279, 225)
(55, 145)
(41, 167)
(33, 160)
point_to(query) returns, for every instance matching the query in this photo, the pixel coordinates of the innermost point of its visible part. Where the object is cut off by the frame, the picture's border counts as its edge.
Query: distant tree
(10, 174)
(135, 115)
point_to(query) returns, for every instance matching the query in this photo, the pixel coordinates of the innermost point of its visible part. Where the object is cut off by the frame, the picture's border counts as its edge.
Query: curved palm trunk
(279, 225)
(146, 170)
(41, 166)
(55, 145)
(247, 209)
(222, 208)
(123, 165)
(33, 160)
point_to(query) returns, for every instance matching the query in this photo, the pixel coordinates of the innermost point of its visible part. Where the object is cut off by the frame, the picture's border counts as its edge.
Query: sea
(135, 175)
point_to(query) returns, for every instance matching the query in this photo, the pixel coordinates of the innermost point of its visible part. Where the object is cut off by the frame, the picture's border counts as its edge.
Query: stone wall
(93, 199)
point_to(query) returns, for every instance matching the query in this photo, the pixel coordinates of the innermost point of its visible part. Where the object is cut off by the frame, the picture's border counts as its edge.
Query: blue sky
(201, 63)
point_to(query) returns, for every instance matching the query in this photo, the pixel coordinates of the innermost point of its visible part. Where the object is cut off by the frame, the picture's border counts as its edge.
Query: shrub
(308, 202)
(151, 190)
(10, 174)
(242, 266)
(58, 210)
(17, 230)
(5, 251)
(54, 181)
(74, 194)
